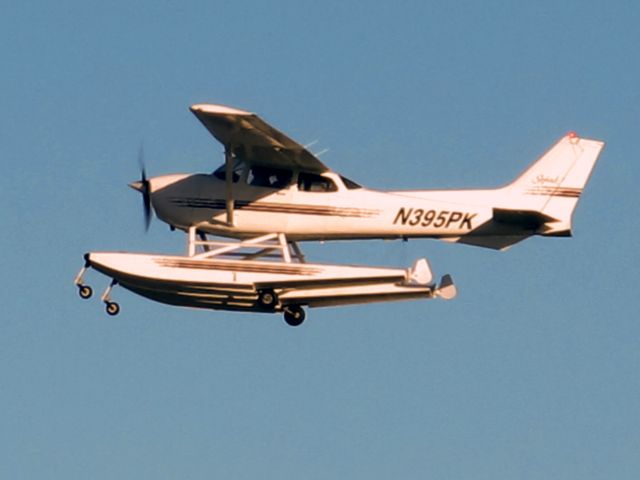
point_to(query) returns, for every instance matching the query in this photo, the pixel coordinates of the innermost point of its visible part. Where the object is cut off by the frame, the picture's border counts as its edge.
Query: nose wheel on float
(112, 308)
(86, 292)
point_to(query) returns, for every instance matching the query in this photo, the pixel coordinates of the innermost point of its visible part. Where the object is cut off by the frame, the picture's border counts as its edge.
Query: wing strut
(228, 160)
(264, 244)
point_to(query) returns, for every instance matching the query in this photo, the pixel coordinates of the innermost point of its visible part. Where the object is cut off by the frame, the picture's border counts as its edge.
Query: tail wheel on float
(294, 315)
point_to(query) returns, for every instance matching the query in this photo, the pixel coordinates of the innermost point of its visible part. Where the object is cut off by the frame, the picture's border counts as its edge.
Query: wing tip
(574, 138)
(217, 109)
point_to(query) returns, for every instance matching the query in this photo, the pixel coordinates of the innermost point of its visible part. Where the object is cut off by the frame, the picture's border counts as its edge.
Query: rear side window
(310, 182)
(269, 177)
(350, 184)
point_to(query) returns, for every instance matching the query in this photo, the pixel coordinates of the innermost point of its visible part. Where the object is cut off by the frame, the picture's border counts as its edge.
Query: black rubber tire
(267, 299)
(294, 315)
(85, 291)
(112, 308)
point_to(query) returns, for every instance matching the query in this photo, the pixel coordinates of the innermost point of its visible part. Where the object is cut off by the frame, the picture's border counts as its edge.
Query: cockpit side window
(269, 177)
(350, 184)
(310, 182)
(238, 169)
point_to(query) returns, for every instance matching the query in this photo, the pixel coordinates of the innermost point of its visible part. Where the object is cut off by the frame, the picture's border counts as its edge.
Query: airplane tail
(547, 192)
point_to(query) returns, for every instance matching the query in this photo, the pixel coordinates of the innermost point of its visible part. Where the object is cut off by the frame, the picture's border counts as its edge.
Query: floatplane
(244, 222)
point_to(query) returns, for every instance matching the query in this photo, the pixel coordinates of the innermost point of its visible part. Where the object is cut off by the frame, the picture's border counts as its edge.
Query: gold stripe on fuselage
(216, 204)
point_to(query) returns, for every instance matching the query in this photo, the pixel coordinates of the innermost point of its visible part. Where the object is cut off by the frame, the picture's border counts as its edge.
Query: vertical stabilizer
(552, 185)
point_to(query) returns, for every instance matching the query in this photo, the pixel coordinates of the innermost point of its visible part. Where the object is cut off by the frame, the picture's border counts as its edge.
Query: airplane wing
(251, 138)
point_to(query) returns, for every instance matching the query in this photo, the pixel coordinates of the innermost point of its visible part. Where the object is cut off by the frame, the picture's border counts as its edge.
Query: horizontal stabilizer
(447, 289)
(420, 273)
(524, 219)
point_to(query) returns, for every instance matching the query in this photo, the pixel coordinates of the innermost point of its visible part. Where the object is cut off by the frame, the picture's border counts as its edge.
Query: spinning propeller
(144, 187)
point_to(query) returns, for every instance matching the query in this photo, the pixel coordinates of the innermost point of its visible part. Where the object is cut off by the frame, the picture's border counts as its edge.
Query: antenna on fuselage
(311, 144)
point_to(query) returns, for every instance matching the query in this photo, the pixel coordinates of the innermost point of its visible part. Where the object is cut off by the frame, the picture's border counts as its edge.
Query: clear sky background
(532, 372)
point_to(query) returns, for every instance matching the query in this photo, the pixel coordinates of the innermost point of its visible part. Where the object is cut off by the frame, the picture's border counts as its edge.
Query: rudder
(552, 185)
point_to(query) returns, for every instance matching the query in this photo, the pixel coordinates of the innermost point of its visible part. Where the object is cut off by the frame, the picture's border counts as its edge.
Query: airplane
(272, 192)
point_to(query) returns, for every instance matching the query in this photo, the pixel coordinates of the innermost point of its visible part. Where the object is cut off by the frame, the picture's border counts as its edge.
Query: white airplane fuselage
(199, 200)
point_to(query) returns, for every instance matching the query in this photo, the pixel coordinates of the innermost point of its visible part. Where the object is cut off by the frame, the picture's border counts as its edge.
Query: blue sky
(532, 372)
